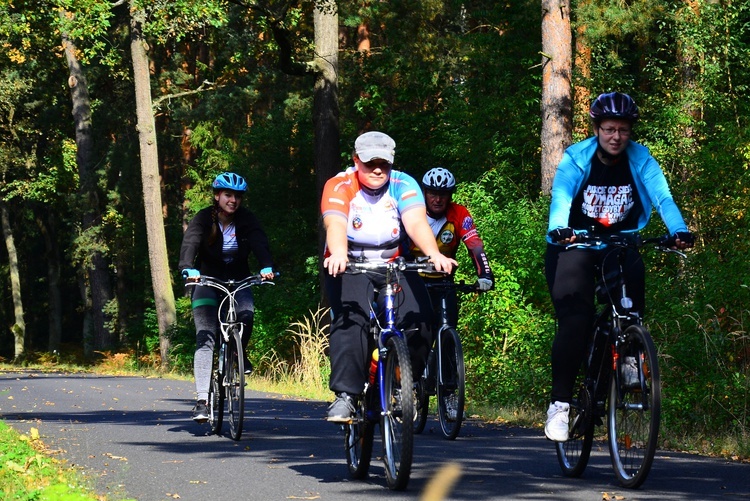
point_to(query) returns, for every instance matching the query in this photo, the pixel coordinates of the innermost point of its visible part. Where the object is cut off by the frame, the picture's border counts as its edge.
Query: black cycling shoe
(200, 412)
(342, 409)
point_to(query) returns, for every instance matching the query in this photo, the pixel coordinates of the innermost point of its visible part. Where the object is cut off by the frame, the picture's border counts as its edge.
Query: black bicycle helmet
(439, 179)
(613, 105)
(230, 181)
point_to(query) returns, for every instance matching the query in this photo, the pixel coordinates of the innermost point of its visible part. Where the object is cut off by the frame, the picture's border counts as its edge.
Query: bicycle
(228, 370)
(619, 377)
(387, 397)
(444, 375)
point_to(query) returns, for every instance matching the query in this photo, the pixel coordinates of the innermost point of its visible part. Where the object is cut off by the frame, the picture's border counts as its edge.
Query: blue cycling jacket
(651, 186)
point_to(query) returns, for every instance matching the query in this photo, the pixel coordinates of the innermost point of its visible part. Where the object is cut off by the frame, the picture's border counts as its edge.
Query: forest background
(457, 84)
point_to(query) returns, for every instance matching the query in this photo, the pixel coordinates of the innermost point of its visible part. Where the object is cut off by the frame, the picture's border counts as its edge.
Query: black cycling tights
(571, 281)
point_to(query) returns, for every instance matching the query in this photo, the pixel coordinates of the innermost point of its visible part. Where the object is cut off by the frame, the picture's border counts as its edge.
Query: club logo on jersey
(395, 232)
(357, 223)
(446, 237)
(467, 223)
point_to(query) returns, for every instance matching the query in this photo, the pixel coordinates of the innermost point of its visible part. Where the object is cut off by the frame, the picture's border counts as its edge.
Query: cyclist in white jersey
(364, 211)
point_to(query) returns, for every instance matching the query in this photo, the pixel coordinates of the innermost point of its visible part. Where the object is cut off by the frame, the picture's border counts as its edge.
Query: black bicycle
(619, 378)
(387, 398)
(444, 375)
(228, 371)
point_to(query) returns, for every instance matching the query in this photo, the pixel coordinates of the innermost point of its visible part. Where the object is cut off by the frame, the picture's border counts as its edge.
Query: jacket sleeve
(191, 243)
(567, 178)
(661, 197)
(473, 242)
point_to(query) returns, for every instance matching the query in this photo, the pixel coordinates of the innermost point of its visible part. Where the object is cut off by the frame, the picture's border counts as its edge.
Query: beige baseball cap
(375, 145)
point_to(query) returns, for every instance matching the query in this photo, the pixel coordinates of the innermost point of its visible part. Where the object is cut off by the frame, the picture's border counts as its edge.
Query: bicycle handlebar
(663, 243)
(230, 284)
(398, 264)
(460, 286)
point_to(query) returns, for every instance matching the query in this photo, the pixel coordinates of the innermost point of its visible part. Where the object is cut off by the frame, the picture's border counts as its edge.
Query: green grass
(29, 472)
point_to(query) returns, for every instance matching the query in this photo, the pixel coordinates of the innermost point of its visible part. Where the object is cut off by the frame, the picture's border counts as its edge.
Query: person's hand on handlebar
(562, 236)
(484, 284)
(191, 274)
(336, 263)
(683, 240)
(443, 263)
(267, 273)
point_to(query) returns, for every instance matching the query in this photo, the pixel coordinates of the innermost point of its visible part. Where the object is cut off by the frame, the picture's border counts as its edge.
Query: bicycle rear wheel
(358, 438)
(216, 399)
(235, 385)
(634, 410)
(451, 391)
(422, 404)
(397, 421)
(573, 454)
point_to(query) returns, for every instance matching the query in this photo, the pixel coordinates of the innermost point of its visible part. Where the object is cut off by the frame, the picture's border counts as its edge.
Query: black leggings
(351, 344)
(571, 280)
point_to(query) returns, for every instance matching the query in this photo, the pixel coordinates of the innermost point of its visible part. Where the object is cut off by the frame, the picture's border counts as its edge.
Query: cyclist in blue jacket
(217, 243)
(609, 184)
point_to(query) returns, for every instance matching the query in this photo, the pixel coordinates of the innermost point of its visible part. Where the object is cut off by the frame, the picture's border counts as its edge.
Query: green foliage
(506, 337)
(456, 84)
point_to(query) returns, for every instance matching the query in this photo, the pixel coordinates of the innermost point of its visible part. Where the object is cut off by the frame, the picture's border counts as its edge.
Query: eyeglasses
(610, 131)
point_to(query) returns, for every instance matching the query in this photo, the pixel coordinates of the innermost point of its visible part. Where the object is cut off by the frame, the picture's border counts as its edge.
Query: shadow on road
(146, 418)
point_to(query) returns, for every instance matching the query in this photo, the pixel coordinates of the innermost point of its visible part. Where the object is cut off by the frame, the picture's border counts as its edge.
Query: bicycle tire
(422, 403)
(451, 393)
(634, 413)
(235, 385)
(216, 399)
(397, 420)
(573, 454)
(358, 438)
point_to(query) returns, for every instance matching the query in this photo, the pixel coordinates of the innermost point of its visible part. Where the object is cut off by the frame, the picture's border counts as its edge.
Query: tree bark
(19, 327)
(557, 107)
(96, 269)
(326, 104)
(157, 244)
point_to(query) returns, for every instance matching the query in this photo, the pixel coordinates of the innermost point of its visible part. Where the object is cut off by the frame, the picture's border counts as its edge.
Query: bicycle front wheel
(235, 385)
(634, 409)
(397, 420)
(451, 390)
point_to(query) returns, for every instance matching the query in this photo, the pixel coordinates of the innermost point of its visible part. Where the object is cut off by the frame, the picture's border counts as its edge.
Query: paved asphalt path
(134, 437)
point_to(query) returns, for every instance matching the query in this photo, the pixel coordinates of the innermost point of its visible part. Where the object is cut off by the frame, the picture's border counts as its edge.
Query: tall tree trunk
(19, 327)
(557, 104)
(326, 104)
(157, 243)
(97, 269)
(52, 256)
